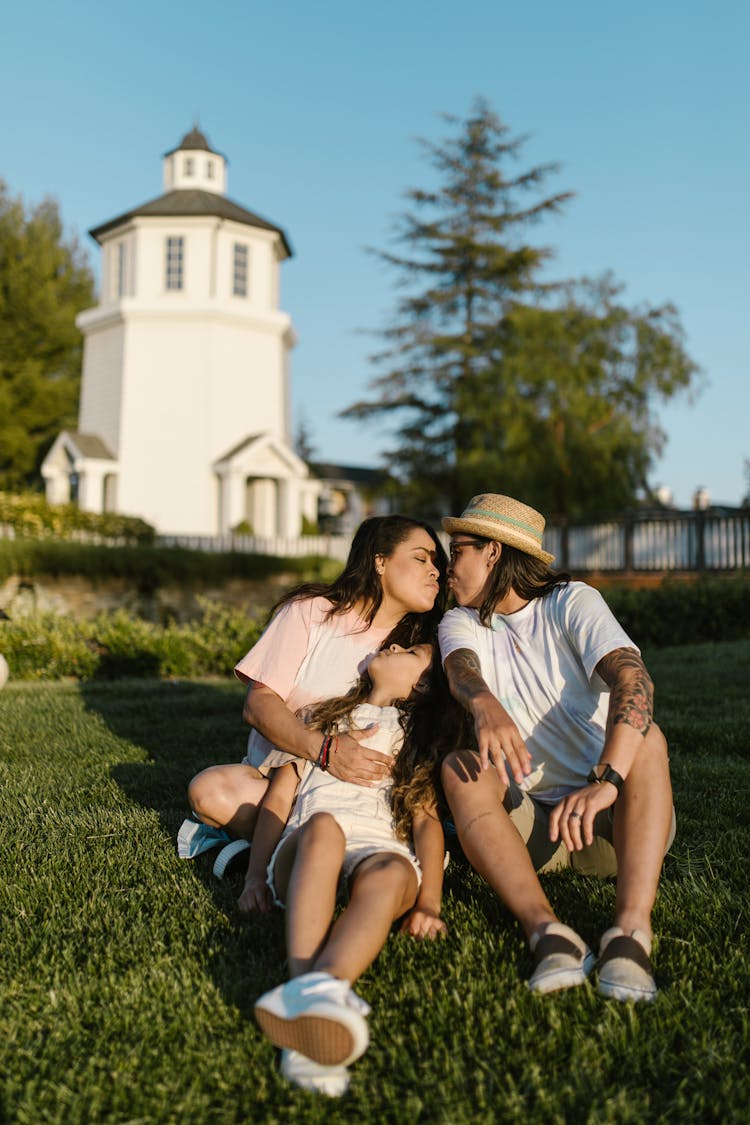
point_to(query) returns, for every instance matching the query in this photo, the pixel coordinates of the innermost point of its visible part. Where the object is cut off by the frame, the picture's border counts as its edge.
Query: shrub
(29, 514)
(244, 527)
(151, 567)
(46, 646)
(678, 612)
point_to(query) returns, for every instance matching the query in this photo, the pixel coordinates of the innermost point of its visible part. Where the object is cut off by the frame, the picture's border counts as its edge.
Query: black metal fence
(678, 541)
(710, 541)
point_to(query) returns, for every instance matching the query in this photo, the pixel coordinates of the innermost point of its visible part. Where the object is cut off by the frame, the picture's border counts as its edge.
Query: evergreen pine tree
(500, 379)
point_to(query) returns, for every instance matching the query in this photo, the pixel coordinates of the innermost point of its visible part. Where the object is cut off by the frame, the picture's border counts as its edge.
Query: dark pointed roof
(193, 201)
(194, 140)
(90, 445)
(355, 474)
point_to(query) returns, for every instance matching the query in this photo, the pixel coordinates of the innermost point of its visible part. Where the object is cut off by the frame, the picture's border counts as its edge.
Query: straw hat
(503, 519)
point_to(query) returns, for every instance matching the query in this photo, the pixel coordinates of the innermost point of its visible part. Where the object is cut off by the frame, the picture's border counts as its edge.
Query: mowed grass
(127, 978)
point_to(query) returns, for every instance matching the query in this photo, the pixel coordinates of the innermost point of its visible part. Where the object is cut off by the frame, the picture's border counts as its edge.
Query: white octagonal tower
(185, 394)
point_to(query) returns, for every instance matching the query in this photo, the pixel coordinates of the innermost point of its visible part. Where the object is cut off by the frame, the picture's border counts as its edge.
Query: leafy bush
(46, 646)
(29, 514)
(150, 567)
(682, 612)
(244, 527)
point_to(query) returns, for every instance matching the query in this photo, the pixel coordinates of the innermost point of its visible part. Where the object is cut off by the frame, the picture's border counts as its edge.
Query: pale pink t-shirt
(304, 658)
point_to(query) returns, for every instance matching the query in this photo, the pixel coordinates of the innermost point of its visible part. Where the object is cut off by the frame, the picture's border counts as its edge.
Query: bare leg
(383, 888)
(228, 797)
(311, 894)
(643, 817)
(490, 840)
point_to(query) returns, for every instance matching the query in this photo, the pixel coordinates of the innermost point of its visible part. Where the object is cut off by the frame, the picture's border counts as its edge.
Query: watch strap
(607, 774)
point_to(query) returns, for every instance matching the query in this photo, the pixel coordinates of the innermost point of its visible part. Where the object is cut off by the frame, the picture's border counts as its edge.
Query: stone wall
(84, 598)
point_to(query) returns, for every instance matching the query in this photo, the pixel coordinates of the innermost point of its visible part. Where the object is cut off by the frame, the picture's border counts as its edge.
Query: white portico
(185, 397)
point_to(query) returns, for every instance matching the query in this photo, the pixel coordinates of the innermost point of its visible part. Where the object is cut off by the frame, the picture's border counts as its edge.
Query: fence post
(700, 543)
(628, 531)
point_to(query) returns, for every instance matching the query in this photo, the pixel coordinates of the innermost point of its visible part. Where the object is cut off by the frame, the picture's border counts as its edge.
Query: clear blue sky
(317, 104)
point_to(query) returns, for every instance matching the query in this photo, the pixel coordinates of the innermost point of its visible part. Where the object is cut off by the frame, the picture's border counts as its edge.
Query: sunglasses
(478, 544)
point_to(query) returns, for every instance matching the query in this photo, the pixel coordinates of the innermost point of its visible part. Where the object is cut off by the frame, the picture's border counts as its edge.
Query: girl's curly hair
(433, 725)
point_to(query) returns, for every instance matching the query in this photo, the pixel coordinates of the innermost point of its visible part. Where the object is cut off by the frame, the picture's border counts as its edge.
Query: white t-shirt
(540, 664)
(305, 657)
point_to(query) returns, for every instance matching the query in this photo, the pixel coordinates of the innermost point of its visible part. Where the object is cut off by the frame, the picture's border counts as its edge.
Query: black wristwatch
(607, 774)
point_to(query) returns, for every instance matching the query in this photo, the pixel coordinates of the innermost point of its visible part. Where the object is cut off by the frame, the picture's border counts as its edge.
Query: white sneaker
(227, 854)
(563, 960)
(317, 1015)
(308, 1075)
(625, 971)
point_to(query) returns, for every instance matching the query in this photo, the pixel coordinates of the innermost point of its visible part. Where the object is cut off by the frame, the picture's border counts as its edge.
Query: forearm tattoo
(631, 690)
(464, 675)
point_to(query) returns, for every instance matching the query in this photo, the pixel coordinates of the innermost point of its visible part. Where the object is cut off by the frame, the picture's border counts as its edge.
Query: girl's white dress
(363, 814)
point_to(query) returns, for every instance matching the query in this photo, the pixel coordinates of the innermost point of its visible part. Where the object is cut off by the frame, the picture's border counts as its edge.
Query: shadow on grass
(181, 728)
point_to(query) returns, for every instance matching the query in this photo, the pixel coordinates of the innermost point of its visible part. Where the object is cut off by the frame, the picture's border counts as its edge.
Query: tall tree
(45, 281)
(304, 443)
(498, 378)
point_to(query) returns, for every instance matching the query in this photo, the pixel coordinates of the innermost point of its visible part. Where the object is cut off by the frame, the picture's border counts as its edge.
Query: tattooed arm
(498, 737)
(631, 690)
(631, 703)
(631, 697)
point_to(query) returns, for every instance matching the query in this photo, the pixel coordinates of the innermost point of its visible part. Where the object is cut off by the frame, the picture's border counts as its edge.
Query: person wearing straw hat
(569, 768)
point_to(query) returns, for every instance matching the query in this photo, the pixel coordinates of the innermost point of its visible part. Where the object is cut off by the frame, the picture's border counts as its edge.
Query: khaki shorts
(531, 818)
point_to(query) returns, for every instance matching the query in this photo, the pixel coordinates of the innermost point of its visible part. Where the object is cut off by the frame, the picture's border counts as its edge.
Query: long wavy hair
(359, 581)
(515, 570)
(433, 725)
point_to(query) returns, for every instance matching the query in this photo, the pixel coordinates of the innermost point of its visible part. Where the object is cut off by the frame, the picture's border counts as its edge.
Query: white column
(90, 489)
(263, 502)
(232, 507)
(290, 517)
(56, 486)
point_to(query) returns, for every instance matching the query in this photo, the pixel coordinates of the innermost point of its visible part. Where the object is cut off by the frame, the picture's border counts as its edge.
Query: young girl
(384, 843)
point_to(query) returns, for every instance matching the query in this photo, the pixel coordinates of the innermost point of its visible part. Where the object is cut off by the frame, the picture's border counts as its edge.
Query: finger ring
(576, 816)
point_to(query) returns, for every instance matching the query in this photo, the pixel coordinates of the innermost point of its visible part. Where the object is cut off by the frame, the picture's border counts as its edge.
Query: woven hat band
(535, 531)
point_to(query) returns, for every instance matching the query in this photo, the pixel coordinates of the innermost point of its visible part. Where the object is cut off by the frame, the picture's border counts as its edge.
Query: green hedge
(149, 568)
(681, 612)
(45, 646)
(30, 514)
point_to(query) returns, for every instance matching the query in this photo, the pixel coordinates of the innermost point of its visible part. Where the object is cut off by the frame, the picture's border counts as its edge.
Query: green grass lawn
(127, 978)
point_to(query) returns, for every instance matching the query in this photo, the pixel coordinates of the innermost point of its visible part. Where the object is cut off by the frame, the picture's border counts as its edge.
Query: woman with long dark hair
(320, 637)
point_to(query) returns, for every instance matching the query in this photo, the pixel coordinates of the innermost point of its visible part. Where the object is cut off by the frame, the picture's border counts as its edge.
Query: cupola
(193, 164)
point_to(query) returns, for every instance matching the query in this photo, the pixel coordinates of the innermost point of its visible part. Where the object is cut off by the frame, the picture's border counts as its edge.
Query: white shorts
(363, 838)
